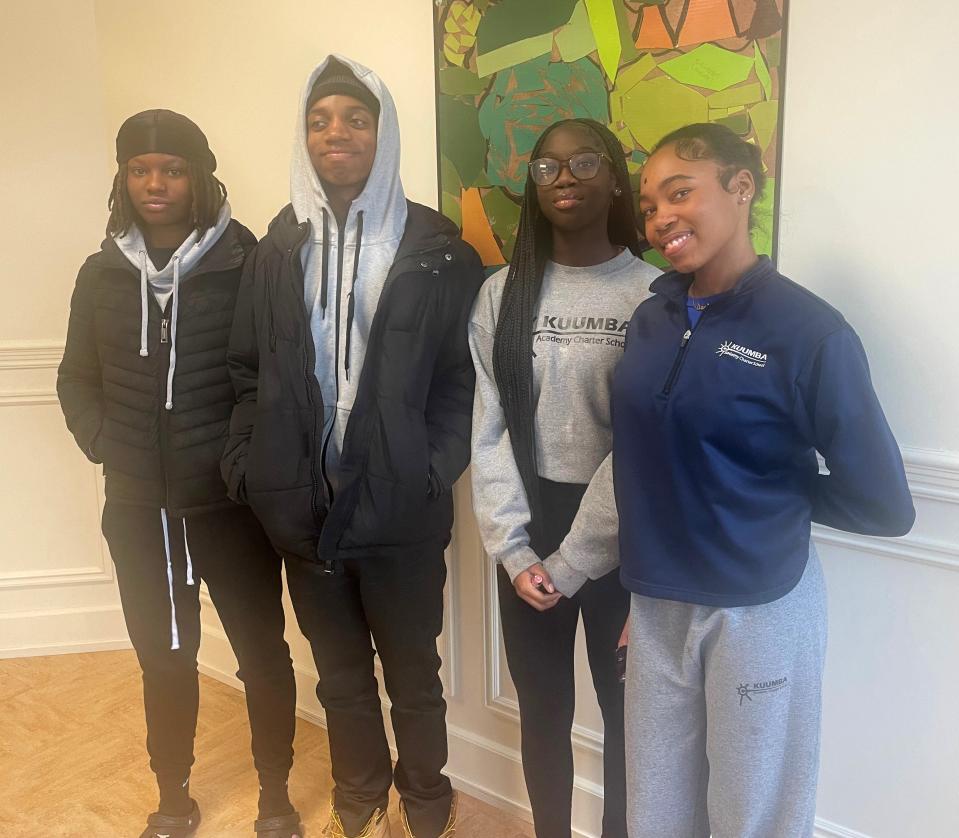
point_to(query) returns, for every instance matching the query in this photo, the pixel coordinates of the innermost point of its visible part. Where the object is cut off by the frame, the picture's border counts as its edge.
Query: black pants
(540, 650)
(230, 552)
(399, 601)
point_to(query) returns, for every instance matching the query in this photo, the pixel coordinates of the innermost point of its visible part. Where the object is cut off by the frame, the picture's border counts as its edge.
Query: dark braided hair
(513, 340)
(710, 141)
(209, 195)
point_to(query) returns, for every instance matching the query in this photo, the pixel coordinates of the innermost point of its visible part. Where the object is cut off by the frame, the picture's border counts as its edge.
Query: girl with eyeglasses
(545, 334)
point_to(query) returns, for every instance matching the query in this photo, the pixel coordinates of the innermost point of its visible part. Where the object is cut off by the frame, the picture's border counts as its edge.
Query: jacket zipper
(164, 413)
(677, 363)
(681, 355)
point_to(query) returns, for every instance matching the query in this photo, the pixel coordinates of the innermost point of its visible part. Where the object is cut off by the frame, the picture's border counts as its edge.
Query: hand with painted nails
(535, 587)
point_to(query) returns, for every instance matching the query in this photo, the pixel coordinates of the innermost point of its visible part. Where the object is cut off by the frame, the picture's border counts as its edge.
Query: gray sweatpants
(722, 715)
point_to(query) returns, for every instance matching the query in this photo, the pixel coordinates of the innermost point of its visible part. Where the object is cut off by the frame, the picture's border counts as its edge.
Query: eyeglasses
(582, 166)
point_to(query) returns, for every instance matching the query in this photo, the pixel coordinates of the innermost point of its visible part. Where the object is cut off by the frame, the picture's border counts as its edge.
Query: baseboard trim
(42, 650)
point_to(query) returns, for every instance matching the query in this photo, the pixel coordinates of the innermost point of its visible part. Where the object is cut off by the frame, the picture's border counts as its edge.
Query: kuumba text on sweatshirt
(578, 337)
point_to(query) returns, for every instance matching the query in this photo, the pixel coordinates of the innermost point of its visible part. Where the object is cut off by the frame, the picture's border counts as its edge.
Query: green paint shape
(651, 109)
(575, 40)
(762, 230)
(772, 48)
(513, 54)
(503, 215)
(765, 117)
(457, 81)
(738, 123)
(510, 21)
(746, 94)
(709, 66)
(634, 73)
(526, 99)
(762, 72)
(605, 26)
(450, 207)
(462, 140)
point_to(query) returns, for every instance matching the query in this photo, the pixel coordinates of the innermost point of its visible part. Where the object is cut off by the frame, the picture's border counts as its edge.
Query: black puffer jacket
(113, 399)
(410, 423)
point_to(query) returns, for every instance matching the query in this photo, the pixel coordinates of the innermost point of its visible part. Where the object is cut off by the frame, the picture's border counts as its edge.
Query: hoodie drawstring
(351, 298)
(174, 633)
(144, 310)
(325, 276)
(173, 318)
(189, 559)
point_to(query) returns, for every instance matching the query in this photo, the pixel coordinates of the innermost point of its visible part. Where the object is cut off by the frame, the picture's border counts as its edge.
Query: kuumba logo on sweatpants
(752, 357)
(747, 691)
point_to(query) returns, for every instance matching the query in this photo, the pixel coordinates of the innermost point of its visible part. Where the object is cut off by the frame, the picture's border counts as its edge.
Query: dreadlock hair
(710, 141)
(513, 339)
(209, 195)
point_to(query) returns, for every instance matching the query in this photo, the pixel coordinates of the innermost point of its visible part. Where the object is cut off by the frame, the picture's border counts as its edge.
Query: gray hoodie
(357, 258)
(166, 283)
(578, 337)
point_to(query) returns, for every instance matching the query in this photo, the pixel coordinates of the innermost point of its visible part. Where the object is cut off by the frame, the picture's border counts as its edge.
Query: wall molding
(932, 474)
(28, 398)
(30, 354)
(95, 574)
(909, 548)
(41, 632)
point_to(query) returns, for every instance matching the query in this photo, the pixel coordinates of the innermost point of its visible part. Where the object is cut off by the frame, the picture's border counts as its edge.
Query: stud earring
(617, 191)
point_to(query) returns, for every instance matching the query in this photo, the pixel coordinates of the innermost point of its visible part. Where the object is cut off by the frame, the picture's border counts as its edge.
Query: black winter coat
(410, 424)
(113, 399)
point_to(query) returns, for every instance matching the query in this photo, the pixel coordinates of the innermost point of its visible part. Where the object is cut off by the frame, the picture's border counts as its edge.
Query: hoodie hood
(382, 201)
(345, 266)
(166, 283)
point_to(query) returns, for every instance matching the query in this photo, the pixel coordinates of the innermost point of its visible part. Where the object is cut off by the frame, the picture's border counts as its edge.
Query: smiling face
(690, 217)
(341, 140)
(160, 192)
(568, 203)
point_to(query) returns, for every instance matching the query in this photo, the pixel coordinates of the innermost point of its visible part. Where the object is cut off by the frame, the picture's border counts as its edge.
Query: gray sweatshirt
(358, 257)
(578, 337)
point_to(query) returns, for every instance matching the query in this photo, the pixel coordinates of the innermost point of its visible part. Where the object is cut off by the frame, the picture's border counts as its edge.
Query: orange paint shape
(706, 20)
(653, 33)
(477, 230)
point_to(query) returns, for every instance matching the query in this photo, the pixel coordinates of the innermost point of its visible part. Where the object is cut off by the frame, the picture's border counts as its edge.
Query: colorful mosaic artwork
(508, 68)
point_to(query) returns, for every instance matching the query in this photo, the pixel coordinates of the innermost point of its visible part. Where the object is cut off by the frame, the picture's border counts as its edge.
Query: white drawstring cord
(144, 311)
(174, 633)
(173, 318)
(189, 560)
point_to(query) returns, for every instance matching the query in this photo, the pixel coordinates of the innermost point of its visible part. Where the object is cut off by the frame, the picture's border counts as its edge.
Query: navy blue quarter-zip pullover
(715, 434)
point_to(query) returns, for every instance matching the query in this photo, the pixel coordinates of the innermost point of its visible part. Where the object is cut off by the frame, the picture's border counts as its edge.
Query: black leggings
(230, 552)
(540, 653)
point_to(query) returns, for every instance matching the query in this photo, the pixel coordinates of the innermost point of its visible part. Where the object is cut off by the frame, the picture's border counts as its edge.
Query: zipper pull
(686, 336)
(164, 330)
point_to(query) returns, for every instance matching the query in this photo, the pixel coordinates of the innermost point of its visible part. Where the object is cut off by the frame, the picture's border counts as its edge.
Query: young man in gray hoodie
(354, 384)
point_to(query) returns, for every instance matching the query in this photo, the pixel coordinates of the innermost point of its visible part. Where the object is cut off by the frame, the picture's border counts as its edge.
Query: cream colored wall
(56, 580)
(868, 185)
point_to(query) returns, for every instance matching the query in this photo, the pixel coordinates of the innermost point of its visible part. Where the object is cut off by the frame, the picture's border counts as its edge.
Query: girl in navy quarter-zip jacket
(145, 389)
(733, 378)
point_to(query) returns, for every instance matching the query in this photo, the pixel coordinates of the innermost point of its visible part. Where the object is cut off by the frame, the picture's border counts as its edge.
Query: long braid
(513, 339)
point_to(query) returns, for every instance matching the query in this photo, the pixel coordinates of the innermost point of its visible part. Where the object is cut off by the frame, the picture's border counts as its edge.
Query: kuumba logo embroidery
(742, 353)
(747, 691)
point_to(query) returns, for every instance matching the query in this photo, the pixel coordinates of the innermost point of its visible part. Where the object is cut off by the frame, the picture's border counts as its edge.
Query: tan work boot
(378, 826)
(448, 832)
